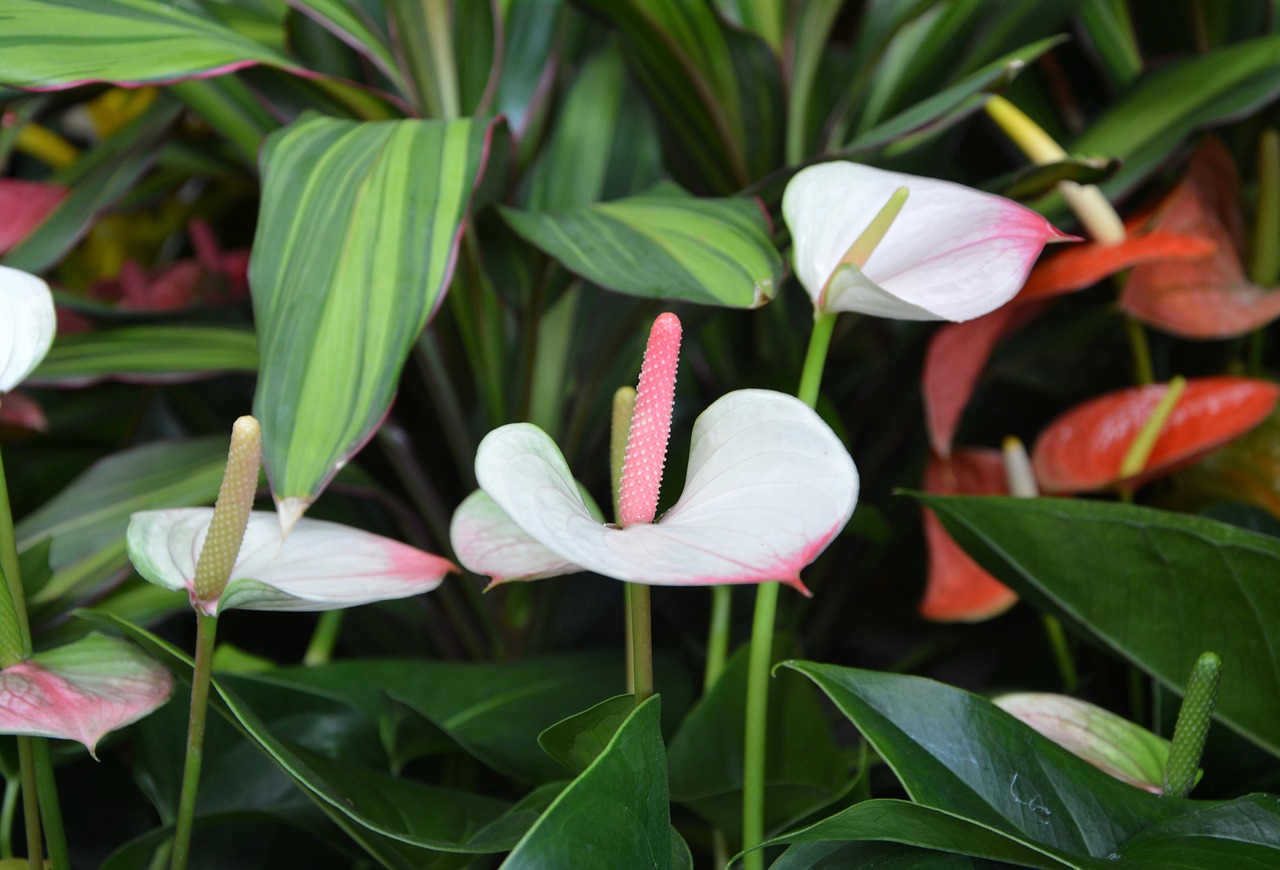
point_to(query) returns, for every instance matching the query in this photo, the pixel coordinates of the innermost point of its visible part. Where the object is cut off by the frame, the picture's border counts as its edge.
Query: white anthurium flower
(81, 691)
(951, 253)
(769, 485)
(320, 566)
(27, 324)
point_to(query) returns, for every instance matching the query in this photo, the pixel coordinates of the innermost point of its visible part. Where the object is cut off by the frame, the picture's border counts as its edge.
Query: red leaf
(23, 205)
(1082, 450)
(957, 588)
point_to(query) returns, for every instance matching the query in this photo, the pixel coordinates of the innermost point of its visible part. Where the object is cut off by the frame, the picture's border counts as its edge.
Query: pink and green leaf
(81, 691)
(355, 248)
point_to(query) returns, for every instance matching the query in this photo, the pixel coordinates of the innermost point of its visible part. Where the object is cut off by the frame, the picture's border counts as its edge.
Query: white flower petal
(320, 566)
(27, 323)
(487, 542)
(769, 486)
(81, 691)
(953, 253)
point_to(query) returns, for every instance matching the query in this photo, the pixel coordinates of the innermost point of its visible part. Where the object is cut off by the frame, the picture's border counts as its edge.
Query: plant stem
(201, 676)
(753, 765)
(1143, 371)
(1061, 654)
(718, 635)
(641, 640)
(30, 803)
(50, 810)
(761, 655)
(324, 638)
(8, 808)
(1265, 268)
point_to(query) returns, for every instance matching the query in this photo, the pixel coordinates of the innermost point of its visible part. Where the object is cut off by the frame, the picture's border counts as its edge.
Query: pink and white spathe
(320, 566)
(952, 253)
(81, 691)
(768, 487)
(27, 324)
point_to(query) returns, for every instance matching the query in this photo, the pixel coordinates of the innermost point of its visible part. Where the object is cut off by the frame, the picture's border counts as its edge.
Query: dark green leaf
(162, 354)
(577, 741)
(1158, 588)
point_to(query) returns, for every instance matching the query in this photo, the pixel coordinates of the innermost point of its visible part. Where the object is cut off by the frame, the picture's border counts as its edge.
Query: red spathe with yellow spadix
(1082, 450)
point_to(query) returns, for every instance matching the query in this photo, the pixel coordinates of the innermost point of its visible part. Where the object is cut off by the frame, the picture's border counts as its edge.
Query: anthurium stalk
(213, 570)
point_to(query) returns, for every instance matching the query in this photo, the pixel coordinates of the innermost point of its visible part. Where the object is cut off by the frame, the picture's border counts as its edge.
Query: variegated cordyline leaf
(51, 44)
(354, 250)
(768, 486)
(952, 253)
(81, 691)
(319, 566)
(27, 324)
(667, 246)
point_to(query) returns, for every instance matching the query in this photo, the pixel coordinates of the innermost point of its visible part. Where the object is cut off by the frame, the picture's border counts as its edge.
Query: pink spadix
(650, 424)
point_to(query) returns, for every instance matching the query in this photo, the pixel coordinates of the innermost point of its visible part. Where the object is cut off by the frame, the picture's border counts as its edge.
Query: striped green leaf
(147, 354)
(354, 250)
(61, 43)
(349, 23)
(710, 251)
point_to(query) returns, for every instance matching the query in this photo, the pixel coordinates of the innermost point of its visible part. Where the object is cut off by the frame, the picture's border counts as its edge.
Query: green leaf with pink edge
(354, 250)
(52, 44)
(319, 566)
(348, 22)
(663, 244)
(81, 691)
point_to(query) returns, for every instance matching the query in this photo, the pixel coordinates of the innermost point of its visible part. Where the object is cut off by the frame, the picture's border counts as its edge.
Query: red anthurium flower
(23, 205)
(1208, 296)
(1083, 449)
(957, 589)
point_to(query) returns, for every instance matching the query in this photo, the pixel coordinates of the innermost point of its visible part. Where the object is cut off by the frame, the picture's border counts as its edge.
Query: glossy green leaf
(295, 730)
(1153, 118)
(896, 821)
(148, 354)
(354, 250)
(868, 853)
(233, 109)
(476, 703)
(615, 814)
(61, 43)
(960, 754)
(447, 49)
(577, 741)
(84, 524)
(1158, 588)
(804, 769)
(664, 245)
(97, 180)
(1106, 25)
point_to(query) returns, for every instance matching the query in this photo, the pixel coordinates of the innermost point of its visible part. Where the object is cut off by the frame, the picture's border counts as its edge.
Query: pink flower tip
(650, 424)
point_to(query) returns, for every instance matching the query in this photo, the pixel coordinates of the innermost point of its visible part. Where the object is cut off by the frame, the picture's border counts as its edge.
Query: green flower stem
(324, 638)
(206, 632)
(718, 636)
(1193, 725)
(50, 810)
(760, 657)
(1265, 268)
(8, 809)
(30, 803)
(1143, 371)
(1061, 653)
(641, 640)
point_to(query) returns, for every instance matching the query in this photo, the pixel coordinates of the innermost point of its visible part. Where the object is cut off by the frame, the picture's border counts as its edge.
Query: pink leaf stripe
(81, 691)
(320, 566)
(650, 424)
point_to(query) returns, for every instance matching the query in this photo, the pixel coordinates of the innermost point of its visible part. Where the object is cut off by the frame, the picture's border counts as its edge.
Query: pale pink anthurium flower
(320, 566)
(27, 324)
(952, 253)
(768, 486)
(81, 691)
